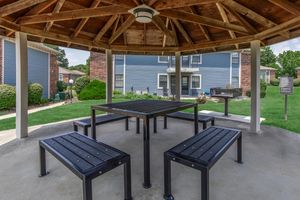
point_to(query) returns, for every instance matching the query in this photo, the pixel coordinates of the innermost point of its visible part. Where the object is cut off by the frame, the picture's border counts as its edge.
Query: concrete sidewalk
(33, 110)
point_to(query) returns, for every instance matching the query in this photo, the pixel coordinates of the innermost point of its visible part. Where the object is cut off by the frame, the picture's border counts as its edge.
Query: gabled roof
(267, 68)
(70, 72)
(186, 26)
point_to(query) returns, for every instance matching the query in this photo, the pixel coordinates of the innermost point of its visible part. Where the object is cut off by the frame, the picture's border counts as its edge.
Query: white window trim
(162, 74)
(118, 80)
(159, 61)
(189, 65)
(200, 81)
(2, 61)
(192, 56)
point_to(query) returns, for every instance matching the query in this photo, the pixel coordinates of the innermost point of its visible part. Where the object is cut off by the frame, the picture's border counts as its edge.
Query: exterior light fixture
(143, 13)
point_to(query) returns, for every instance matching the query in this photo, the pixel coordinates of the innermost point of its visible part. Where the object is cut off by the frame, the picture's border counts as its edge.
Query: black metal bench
(86, 158)
(204, 119)
(102, 119)
(201, 152)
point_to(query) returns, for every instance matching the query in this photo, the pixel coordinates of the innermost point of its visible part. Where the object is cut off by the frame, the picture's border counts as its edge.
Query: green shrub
(7, 97)
(262, 94)
(61, 86)
(248, 93)
(263, 85)
(80, 83)
(35, 93)
(296, 82)
(94, 90)
(274, 82)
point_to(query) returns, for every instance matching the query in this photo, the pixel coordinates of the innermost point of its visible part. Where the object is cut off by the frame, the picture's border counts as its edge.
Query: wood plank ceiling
(188, 26)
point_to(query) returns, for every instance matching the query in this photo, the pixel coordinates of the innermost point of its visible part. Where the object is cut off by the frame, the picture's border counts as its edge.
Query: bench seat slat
(190, 116)
(103, 148)
(90, 158)
(102, 119)
(99, 154)
(80, 164)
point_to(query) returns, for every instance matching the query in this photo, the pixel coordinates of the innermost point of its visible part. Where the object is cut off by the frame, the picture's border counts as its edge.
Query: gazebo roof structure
(186, 26)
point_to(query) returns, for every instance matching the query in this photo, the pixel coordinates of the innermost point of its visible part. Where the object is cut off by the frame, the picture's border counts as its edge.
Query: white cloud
(293, 45)
(75, 56)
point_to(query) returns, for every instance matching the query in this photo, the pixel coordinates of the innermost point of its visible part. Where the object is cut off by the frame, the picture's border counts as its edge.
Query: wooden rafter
(124, 33)
(145, 34)
(85, 20)
(165, 37)
(180, 28)
(288, 6)
(116, 24)
(241, 19)
(128, 4)
(225, 19)
(167, 4)
(162, 26)
(17, 6)
(74, 14)
(137, 2)
(189, 17)
(105, 28)
(56, 9)
(122, 28)
(151, 2)
(174, 33)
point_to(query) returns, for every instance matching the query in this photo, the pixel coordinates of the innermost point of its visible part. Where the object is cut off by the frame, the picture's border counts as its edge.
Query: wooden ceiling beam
(128, 4)
(56, 9)
(180, 28)
(137, 2)
(165, 37)
(105, 28)
(74, 14)
(151, 2)
(116, 24)
(130, 20)
(148, 48)
(225, 19)
(167, 4)
(174, 33)
(162, 26)
(189, 17)
(82, 22)
(288, 6)
(17, 6)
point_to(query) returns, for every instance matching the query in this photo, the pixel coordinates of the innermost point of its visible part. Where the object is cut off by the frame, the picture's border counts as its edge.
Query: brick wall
(1, 67)
(272, 75)
(98, 66)
(53, 75)
(245, 71)
(298, 73)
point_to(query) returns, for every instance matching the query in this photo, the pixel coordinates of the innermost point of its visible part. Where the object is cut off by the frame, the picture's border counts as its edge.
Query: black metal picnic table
(226, 97)
(145, 109)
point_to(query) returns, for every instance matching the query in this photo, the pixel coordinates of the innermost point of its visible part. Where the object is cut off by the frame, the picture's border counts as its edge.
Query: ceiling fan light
(143, 13)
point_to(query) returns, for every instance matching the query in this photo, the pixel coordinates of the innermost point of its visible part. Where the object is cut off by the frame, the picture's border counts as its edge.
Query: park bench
(102, 119)
(201, 152)
(204, 119)
(86, 158)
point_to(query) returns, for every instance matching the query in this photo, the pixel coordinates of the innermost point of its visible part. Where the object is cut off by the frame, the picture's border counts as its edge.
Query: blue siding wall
(37, 66)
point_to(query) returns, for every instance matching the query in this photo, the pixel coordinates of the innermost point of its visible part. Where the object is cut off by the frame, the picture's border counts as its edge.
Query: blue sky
(76, 57)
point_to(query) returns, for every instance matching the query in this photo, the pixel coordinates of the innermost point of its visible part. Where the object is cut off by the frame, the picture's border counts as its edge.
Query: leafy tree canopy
(268, 58)
(82, 67)
(289, 61)
(61, 56)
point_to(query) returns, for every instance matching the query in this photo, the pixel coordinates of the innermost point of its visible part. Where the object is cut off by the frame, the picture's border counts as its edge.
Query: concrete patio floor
(270, 170)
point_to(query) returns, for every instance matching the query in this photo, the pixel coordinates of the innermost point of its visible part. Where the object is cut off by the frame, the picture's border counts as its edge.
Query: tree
(289, 61)
(61, 56)
(268, 58)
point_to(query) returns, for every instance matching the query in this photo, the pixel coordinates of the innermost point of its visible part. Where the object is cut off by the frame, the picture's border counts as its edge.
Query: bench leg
(165, 122)
(204, 125)
(87, 189)
(167, 178)
(75, 127)
(127, 124)
(239, 150)
(137, 125)
(205, 184)
(213, 122)
(85, 131)
(127, 180)
(155, 125)
(43, 171)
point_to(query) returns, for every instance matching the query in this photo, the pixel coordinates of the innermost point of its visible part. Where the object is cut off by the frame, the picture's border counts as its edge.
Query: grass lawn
(272, 108)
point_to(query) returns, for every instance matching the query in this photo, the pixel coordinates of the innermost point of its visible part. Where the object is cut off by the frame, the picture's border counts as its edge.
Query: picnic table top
(141, 108)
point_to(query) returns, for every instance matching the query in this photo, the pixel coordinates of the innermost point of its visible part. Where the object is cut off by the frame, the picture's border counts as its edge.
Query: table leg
(226, 107)
(147, 183)
(93, 127)
(196, 119)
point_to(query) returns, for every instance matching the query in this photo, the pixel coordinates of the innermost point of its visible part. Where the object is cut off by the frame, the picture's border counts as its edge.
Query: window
(196, 81)
(163, 59)
(185, 61)
(162, 81)
(119, 83)
(197, 59)
(61, 77)
(235, 57)
(119, 57)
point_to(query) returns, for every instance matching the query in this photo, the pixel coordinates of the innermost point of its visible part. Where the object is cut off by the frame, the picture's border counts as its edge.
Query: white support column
(109, 77)
(178, 76)
(255, 87)
(21, 85)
